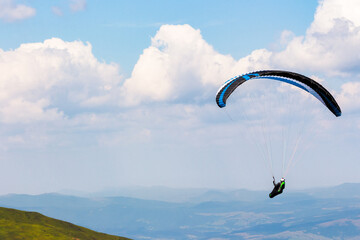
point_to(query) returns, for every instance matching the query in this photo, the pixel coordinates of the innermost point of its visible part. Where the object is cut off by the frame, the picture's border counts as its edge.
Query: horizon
(114, 192)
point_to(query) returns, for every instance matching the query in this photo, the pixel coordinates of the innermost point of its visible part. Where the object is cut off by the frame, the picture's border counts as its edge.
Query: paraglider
(278, 187)
(295, 79)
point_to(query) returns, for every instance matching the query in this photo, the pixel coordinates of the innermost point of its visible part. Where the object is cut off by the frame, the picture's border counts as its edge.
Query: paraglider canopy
(295, 79)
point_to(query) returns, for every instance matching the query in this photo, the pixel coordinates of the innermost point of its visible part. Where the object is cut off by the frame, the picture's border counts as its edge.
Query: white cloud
(330, 11)
(286, 37)
(44, 81)
(349, 97)
(10, 11)
(180, 64)
(77, 5)
(19, 110)
(331, 43)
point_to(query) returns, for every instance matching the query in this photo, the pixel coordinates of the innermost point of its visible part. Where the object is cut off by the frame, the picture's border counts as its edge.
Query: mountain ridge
(17, 224)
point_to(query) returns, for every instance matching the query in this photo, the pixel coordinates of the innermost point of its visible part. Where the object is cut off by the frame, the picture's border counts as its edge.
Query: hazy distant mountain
(15, 224)
(326, 213)
(347, 190)
(148, 193)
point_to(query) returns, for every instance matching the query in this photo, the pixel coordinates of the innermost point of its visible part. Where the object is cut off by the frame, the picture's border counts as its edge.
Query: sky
(105, 94)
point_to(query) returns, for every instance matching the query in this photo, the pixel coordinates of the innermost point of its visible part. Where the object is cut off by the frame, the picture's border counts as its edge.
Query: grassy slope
(16, 224)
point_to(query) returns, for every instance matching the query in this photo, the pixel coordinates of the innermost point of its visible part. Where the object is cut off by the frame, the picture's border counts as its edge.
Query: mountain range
(161, 213)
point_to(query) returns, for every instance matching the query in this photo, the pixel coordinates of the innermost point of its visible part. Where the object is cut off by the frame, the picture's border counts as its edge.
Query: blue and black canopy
(292, 78)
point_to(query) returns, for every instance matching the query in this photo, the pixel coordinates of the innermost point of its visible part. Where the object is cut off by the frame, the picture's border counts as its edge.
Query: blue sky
(104, 94)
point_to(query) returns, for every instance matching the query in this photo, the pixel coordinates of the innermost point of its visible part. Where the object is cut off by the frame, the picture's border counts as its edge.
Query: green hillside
(16, 224)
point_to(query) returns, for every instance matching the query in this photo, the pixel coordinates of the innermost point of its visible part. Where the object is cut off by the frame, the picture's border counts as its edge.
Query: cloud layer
(164, 114)
(180, 64)
(49, 80)
(46, 80)
(331, 43)
(56, 80)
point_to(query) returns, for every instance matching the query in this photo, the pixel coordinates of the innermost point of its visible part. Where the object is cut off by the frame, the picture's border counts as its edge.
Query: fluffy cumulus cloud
(349, 97)
(10, 11)
(180, 64)
(48, 80)
(331, 43)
